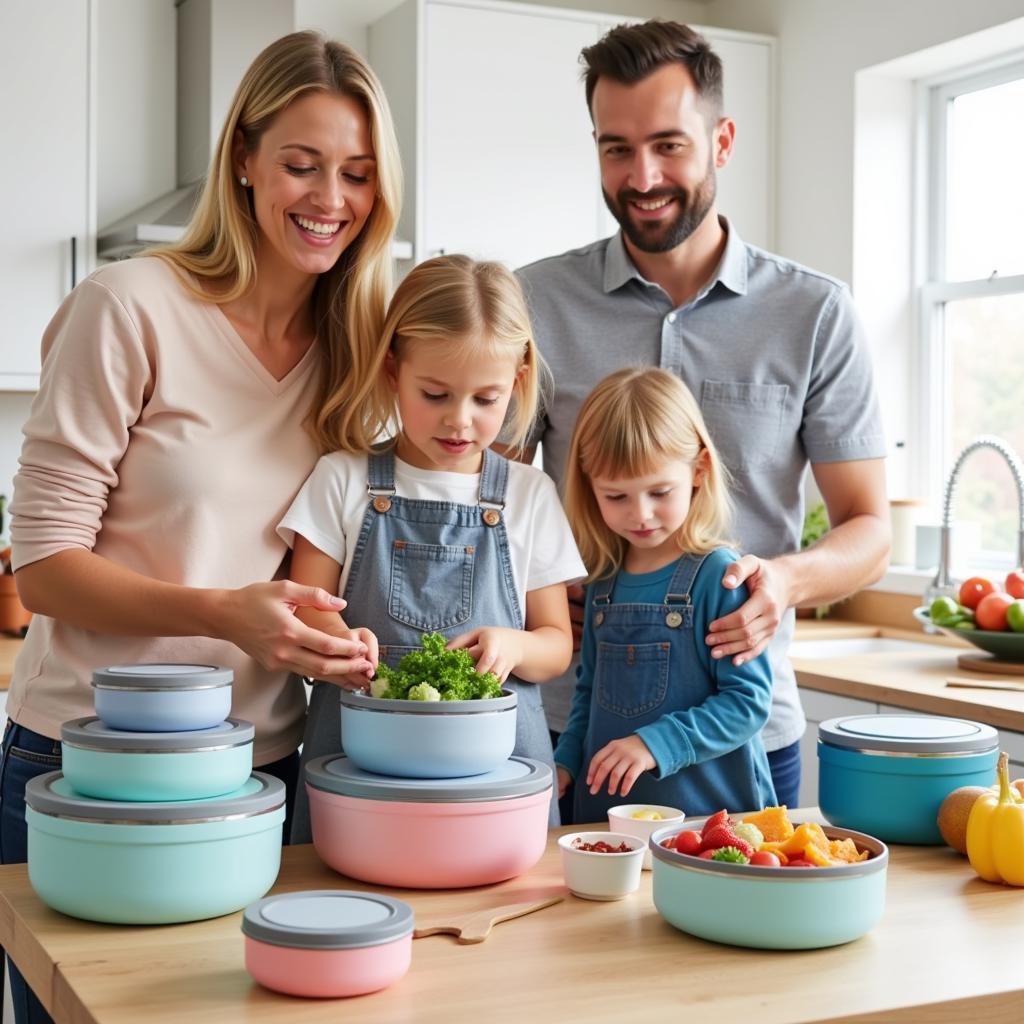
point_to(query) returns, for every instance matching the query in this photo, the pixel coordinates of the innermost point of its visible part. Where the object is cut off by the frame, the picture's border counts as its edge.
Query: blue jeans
(784, 765)
(26, 754)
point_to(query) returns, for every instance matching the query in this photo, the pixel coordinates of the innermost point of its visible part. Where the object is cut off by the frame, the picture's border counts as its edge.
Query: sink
(842, 648)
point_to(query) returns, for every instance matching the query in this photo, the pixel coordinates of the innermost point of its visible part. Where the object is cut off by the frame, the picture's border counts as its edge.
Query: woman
(174, 421)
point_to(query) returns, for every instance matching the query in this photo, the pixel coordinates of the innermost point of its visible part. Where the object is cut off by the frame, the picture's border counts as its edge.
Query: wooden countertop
(946, 950)
(9, 648)
(908, 679)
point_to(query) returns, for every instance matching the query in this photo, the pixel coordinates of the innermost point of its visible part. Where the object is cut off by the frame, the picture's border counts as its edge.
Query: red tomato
(688, 842)
(706, 854)
(765, 859)
(991, 611)
(974, 589)
(1015, 583)
(799, 862)
(670, 843)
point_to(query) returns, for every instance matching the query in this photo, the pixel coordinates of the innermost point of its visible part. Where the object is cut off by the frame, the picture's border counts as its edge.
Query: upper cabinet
(45, 173)
(496, 138)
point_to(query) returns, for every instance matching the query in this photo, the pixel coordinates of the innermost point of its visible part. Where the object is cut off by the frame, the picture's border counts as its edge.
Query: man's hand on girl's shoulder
(746, 632)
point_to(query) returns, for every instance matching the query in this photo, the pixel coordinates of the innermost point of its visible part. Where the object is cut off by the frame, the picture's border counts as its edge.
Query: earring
(244, 181)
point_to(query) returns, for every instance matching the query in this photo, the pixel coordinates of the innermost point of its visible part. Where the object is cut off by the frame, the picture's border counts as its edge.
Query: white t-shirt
(329, 510)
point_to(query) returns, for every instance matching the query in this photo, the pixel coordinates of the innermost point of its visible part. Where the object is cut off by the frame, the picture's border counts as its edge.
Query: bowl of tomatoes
(807, 887)
(982, 614)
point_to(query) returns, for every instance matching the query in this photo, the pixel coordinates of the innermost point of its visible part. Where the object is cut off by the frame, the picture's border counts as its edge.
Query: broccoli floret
(379, 686)
(422, 691)
(451, 674)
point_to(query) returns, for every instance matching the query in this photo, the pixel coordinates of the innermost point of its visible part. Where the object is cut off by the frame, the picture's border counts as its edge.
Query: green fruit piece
(1015, 616)
(942, 609)
(965, 624)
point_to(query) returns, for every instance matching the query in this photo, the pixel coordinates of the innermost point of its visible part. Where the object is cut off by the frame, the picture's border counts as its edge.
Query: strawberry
(722, 835)
(716, 819)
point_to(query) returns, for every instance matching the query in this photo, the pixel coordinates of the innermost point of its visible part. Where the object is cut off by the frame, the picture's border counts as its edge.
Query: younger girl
(654, 717)
(432, 531)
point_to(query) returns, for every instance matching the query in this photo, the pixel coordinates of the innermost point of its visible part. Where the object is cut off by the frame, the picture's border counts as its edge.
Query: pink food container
(429, 833)
(327, 943)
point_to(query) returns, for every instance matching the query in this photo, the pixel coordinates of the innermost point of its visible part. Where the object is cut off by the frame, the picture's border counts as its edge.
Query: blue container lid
(94, 734)
(52, 794)
(162, 676)
(328, 919)
(518, 776)
(909, 734)
(363, 702)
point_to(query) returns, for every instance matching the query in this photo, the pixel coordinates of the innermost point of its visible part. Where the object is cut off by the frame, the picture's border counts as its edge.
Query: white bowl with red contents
(602, 865)
(327, 943)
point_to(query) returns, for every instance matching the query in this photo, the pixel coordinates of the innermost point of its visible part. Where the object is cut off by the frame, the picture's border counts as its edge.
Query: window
(972, 301)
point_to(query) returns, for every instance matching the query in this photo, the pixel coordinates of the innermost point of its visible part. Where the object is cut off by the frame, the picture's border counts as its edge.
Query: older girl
(654, 717)
(433, 531)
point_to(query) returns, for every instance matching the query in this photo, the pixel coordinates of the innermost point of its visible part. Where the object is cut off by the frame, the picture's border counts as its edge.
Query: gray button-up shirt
(774, 354)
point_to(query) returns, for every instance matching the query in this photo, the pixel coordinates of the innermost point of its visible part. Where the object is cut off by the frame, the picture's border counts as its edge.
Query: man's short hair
(629, 53)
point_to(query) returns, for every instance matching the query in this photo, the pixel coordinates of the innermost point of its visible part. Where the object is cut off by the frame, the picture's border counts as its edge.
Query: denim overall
(647, 666)
(421, 567)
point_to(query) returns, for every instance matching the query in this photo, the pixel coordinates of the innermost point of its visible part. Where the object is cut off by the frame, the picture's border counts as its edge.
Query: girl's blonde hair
(478, 309)
(633, 421)
(218, 252)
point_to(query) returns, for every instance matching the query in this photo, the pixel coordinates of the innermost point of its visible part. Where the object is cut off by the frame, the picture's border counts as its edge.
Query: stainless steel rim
(908, 753)
(160, 821)
(153, 689)
(157, 750)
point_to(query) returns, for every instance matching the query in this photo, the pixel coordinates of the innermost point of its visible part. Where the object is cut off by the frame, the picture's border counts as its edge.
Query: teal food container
(152, 863)
(770, 908)
(112, 764)
(888, 774)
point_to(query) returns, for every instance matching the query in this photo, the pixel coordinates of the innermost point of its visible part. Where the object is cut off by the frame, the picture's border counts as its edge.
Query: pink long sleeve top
(160, 442)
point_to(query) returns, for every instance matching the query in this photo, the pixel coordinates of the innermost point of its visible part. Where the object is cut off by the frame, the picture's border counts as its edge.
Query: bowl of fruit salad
(982, 614)
(642, 820)
(762, 881)
(601, 865)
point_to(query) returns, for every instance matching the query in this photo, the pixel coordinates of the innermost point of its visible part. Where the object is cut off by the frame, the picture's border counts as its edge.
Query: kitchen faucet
(943, 582)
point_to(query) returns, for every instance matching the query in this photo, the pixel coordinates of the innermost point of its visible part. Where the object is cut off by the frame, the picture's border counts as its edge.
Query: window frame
(933, 355)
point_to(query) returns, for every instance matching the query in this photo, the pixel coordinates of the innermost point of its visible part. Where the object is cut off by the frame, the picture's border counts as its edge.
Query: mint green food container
(152, 863)
(770, 908)
(112, 764)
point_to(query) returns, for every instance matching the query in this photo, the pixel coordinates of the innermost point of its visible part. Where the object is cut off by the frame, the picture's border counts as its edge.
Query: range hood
(162, 220)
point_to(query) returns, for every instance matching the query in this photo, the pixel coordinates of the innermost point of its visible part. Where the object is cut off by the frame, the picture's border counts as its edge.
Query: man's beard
(661, 236)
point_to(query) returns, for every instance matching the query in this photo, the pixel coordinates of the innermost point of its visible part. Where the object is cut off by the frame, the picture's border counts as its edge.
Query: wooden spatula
(475, 927)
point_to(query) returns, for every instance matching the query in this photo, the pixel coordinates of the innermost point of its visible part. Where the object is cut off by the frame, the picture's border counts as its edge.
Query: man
(771, 350)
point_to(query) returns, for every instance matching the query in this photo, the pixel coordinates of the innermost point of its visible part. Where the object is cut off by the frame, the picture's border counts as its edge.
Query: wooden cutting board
(991, 664)
(476, 926)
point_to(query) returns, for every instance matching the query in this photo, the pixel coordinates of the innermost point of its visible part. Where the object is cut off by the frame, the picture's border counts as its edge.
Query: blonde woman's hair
(475, 308)
(218, 252)
(633, 421)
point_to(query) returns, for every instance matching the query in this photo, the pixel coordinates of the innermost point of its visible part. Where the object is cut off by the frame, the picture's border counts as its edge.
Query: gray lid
(518, 776)
(52, 794)
(909, 734)
(365, 702)
(327, 919)
(162, 676)
(94, 734)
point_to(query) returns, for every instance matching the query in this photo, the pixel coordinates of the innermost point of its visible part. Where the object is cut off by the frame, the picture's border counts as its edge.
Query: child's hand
(493, 648)
(564, 778)
(621, 762)
(360, 680)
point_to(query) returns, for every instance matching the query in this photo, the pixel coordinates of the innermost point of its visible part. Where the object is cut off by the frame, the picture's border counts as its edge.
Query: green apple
(1015, 616)
(944, 611)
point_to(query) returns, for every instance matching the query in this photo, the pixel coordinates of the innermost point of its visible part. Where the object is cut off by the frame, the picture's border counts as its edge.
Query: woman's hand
(563, 779)
(360, 681)
(621, 762)
(260, 619)
(493, 648)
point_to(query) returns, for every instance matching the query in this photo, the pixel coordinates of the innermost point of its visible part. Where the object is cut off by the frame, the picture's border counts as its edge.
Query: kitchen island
(947, 950)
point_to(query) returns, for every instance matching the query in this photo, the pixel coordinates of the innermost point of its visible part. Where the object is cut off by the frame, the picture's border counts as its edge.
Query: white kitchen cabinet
(496, 138)
(49, 219)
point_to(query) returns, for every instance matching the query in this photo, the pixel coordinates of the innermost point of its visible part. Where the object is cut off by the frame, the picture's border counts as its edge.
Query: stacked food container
(427, 795)
(157, 816)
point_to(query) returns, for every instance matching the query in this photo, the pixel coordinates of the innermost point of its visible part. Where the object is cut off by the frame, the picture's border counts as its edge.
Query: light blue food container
(162, 697)
(770, 908)
(112, 764)
(888, 774)
(152, 863)
(418, 739)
